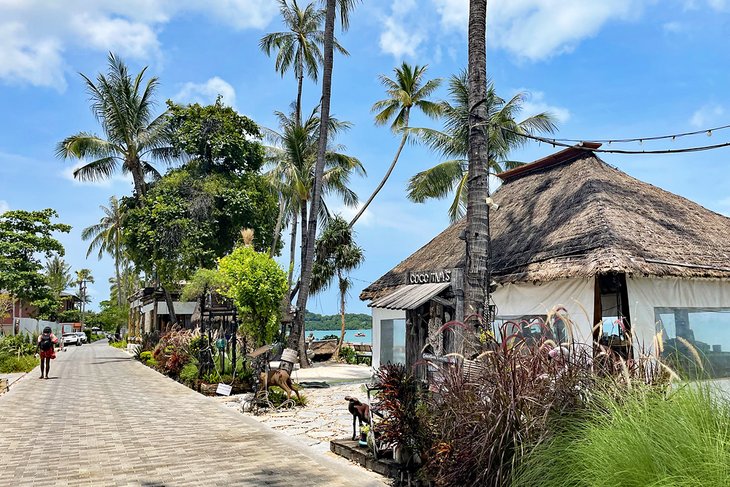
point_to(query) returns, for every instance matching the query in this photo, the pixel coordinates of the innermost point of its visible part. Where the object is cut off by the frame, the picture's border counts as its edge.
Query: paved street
(104, 419)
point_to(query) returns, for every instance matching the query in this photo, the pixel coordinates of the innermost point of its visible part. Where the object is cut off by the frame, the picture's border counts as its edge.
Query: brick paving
(105, 419)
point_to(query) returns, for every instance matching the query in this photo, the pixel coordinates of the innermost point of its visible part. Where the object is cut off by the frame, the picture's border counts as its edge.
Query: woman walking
(45, 348)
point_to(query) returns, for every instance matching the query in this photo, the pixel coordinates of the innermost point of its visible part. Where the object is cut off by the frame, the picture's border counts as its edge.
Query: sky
(608, 69)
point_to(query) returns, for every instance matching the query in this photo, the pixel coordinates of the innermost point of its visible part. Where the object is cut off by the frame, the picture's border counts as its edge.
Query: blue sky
(608, 69)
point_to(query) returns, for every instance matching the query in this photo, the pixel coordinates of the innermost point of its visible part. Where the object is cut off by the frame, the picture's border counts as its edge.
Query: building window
(532, 328)
(695, 341)
(393, 341)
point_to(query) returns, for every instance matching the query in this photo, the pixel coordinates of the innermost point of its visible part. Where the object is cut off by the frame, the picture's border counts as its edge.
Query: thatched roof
(571, 215)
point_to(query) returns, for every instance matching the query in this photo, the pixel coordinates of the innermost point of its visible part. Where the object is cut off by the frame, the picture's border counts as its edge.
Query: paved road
(105, 419)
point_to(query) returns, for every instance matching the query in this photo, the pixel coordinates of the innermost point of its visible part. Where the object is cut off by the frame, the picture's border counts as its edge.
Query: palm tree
(83, 276)
(58, 275)
(453, 142)
(344, 7)
(408, 90)
(336, 255)
(476, 274)
(299, 48)
(291, 170)
(106, 237)
(123, 106)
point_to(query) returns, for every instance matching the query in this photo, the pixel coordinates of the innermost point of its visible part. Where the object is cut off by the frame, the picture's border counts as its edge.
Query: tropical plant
(452, 143)
(123, 105)
(106, 237)
(336, 254)
(83, 277)
(407, 91)
(344, 7)
(58, 275)
(292, 158)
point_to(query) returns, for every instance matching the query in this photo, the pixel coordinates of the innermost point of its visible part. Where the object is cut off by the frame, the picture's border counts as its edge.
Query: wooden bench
(363, 352)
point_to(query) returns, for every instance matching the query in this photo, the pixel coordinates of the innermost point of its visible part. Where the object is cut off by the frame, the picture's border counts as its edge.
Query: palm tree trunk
(342, 318)
(293, 248)
(387, 174)
(138, 179)
(170, 306)
(277, 228)
(296, 338)
(117, 247)
(299, 100)
(477, 213)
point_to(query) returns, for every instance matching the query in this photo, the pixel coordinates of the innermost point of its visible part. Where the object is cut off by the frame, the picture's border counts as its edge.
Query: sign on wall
(429, 277)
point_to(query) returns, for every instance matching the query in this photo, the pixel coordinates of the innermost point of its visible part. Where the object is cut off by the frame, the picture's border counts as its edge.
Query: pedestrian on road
(45, 349)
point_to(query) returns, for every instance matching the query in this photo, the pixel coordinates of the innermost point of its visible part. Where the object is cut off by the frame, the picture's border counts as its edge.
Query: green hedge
(13, 363)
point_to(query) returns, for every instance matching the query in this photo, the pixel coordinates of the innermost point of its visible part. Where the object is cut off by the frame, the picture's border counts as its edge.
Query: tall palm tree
(337, 254)
(106, 237)
(292, 158)
(408, 90)
(299, 47)
(123, 105)
(58, 275)
(453, 142)
(476, 272)
(344, 8)
(83, 276)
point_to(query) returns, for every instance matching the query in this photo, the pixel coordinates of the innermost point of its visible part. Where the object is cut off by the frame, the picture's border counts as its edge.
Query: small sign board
(224, 389)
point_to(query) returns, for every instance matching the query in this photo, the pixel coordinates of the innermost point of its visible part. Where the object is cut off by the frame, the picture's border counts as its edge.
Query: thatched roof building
(572, 215)
(570, 227)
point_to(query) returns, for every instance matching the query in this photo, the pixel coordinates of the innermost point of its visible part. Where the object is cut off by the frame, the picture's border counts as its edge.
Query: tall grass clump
(642, 437)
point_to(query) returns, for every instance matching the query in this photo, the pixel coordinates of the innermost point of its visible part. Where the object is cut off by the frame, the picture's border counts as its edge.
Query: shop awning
(409, 296)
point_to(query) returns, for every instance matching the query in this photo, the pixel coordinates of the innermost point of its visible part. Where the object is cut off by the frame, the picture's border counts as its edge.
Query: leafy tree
(344, 8)
(83, 277)
(109, 317)
(58, 275)
(407, 91)
(106, 237)
(256, 284)
(453, 142)
(6, 304)
(336, 255)
(25, 236)
(123, 105)
(291, 170)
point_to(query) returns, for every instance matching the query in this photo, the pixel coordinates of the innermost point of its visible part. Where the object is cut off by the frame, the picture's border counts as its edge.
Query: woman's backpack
(46, 343)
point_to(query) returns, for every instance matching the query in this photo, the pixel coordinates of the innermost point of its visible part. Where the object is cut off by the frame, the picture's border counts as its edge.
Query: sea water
(349, 335)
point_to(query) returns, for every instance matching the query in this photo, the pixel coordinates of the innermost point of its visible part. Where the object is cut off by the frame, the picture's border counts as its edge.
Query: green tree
(299, 47)
(337, 255)
(256, 284)
(106, 237)
(83, 278)
(123, 104)
(25, 236)
(291, 170)
(58, 275)
(344, 8)
(453, 142)
(407, 91)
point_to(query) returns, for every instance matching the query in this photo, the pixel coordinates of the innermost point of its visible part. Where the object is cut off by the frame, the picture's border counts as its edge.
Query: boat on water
(359, 334)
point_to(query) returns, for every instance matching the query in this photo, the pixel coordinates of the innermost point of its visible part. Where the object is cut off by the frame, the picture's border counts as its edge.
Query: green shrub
(89, 339)
(638, 439)
(277, 396)
(348, 355)
(13, 363)
(145, 356)
(152, 363)
(189, 373)
(22, 344)
(119, 344)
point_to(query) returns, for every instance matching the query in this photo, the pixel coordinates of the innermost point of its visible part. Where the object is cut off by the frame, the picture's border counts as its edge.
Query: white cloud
(35, 33)
(349, 212)
(537, 29)
(4, 206)
(673, 27)
(535, 103)
(707, 115)
(399, 37)
(207, 92)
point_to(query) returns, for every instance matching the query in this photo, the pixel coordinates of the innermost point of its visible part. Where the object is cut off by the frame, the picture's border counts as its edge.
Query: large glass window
(393, 341)
(696, 340)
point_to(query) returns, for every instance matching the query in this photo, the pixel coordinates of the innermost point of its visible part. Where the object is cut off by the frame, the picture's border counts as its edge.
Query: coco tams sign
(429, 277)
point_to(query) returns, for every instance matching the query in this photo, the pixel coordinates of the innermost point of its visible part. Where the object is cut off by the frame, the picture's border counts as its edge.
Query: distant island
(353, 321)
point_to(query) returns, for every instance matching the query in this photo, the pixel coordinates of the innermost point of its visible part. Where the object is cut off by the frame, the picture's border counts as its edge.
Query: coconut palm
(344, 8)
(83, 276)
(58, 275)
(292, 157)
(299, 47)
(123, 105)
(452, 143)
(408, 90)
(336, 254)
(106, 237)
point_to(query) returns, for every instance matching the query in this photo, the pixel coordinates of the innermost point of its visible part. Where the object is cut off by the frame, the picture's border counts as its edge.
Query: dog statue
(360, 412)
(279, 378)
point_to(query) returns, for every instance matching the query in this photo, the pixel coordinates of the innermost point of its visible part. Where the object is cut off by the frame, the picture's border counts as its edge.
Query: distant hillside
(353, 321)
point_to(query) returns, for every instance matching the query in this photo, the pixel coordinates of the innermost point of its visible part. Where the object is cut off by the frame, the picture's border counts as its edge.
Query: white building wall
(645, 294)
(575, 295)
(380, 314)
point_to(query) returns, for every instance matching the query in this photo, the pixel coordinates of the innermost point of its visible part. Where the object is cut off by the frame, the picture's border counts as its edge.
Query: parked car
(82, 336)
(71, 339)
